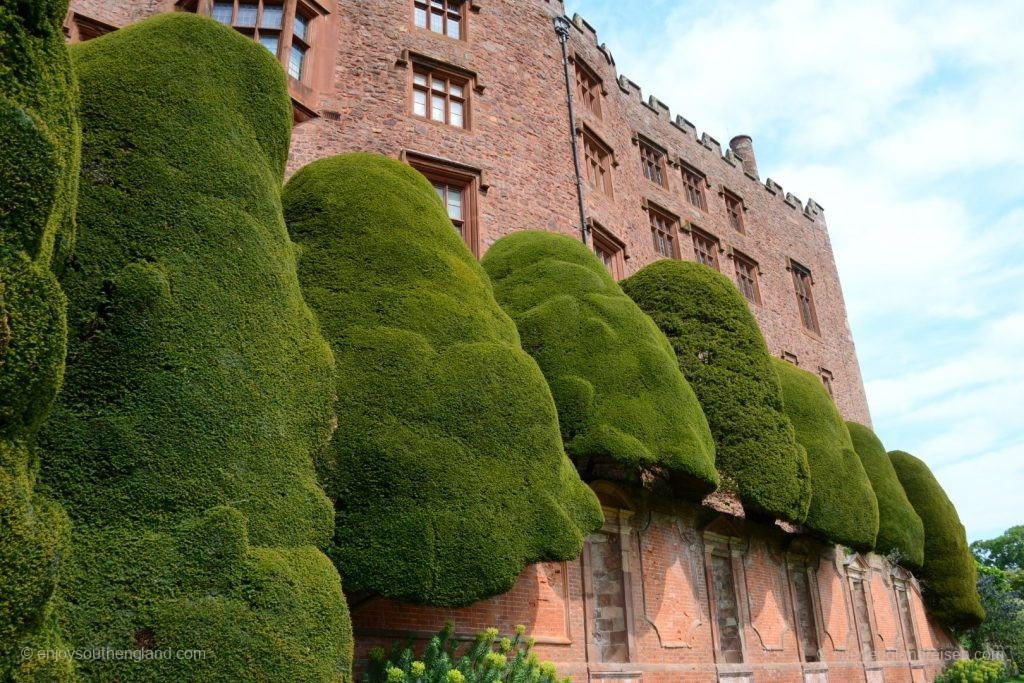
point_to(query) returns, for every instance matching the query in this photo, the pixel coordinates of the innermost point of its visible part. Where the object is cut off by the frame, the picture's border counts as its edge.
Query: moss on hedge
(198, 385)
(949, 575)
(39, 148)
(723, 355)
(447, 470)
(900, 530)
(616, 383)
(843, 505)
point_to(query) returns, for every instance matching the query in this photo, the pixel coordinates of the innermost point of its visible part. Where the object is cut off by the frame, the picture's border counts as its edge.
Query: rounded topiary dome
(949, 575)
(843, 505)
(447, 469)
(900, 530)
(724, 357)
(620, 395)
(198, 385)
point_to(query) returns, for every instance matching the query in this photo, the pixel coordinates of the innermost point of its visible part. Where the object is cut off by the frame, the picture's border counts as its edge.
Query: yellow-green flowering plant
(488, 659)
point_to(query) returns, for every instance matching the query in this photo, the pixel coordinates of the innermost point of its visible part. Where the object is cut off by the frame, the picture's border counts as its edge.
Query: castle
(473, 95)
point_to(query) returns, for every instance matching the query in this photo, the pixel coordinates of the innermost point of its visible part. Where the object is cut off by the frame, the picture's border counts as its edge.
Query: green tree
(1005, 551)
(624, 407)
(39, 155)
(198, 385)
(447, 471)
(1003, 628)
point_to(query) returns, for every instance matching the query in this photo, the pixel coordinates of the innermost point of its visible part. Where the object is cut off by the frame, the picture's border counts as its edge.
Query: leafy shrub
(198, 385)
(974, 671)
(620, 395)
(487, 660)
(721, 352)
(39, 151)
(843, 505)
(949, 574)
(900, 530)
(447, 470)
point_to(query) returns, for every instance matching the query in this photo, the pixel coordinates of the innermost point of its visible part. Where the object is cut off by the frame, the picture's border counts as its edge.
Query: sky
(905, 121)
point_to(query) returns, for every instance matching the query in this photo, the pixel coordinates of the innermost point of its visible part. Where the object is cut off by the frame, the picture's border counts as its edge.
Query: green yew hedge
(39, 152)
(900, 530)
(447, 470)
(949, 575)
(843, 505)
(722, 354)
(198, 386)
(620, 395)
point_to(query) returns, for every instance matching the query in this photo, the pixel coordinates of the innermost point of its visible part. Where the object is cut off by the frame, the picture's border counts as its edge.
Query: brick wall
(673, 606)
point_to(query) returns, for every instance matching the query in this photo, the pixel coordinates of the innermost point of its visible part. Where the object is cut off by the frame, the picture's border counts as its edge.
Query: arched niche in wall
(725, 544)
(802, 555)
(858, 575)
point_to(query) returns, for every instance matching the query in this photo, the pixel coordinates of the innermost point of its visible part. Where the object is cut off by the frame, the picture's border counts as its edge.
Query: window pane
(437, 21)
(269, 42)
(453, 27)
(439, 84)
(222, 12)
(419, 79)
(457, 114)
(296, 61)
(437, 105)
(273, 16)
(301, 26)
(440, 191)
(421, 17)
(247, 14)
(456, 90)
(419, 103)
(455, 203)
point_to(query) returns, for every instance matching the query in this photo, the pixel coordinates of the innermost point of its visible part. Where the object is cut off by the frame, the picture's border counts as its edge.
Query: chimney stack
(743, 147)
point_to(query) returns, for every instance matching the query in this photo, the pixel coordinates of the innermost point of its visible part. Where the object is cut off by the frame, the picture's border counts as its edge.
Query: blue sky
(905, 120)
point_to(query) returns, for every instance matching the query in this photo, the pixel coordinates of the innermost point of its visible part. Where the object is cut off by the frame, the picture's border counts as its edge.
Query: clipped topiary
(843, 505)
(39, 150)
(949, 575)
(620, 395)
(900, 530)
(723, 355)
(447, 469)
(198, 385)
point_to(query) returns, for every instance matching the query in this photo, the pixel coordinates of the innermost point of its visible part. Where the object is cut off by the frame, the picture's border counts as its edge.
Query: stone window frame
(798, 560)
(599, 159)
(828, 379)
(803, 288)
(712, 247)
(721, 540)
(451, 173)
(790, 357)
(314, 43)
(79, 28)
(902, 581)
(619, 512)
(428, 7)
(753, 273)
(609, 249)
(857, 570)
(666, 223)
(588, 87)
(451, 77)
(653, 160)
(734, 210)
(695, 184)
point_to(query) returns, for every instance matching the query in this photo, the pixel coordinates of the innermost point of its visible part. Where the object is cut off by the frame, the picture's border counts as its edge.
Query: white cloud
(903, 119)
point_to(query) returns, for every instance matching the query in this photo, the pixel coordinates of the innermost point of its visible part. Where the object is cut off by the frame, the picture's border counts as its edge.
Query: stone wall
(703, 597)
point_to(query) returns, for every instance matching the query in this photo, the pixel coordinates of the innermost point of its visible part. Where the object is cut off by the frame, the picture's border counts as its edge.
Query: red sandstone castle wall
(517, 140)
(671, 608)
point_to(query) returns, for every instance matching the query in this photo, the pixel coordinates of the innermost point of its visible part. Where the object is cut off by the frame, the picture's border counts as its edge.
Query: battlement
(740, 161)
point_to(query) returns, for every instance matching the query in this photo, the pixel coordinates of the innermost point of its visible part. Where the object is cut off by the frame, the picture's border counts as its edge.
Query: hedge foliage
(620, 395)
(948, 577)
(843, 505)
(447, 471)
(198, 385)
(900, 530)
(39, 151)
(723, 355)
